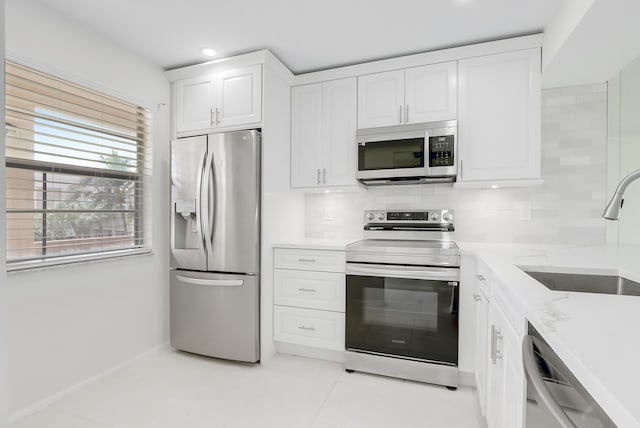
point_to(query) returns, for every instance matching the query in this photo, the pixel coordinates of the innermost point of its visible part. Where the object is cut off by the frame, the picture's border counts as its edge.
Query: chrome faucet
(612, 212)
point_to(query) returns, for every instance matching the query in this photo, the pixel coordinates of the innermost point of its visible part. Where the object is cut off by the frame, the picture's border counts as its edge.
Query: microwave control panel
(441, 151)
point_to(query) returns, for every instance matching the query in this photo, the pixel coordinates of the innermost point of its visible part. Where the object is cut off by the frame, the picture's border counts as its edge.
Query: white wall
(3, 252)
(627, 113)
(70, 323)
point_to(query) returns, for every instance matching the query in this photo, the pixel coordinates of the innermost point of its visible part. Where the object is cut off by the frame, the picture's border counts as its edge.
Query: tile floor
(170, 389)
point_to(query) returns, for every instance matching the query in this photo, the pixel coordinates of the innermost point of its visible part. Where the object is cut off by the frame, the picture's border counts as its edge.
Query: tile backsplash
(565, 209)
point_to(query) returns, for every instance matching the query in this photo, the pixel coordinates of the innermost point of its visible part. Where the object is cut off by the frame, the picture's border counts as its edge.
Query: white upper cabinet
(194, 100)
(306, 135)
(499, 116)
(339, 132)
(323, 134)
(239, 96)
(381, 99)
(415, 95)
(219, 100)
(431, 93)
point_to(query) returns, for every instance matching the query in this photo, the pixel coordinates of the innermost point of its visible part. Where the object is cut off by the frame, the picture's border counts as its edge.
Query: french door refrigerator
(215, 245)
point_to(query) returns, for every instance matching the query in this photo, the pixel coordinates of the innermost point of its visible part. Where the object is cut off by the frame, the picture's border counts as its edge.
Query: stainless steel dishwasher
(555, 398)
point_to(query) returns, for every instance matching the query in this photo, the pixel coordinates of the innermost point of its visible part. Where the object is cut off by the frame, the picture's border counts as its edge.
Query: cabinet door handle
(499, 345)
(493, 344)
(318, 176)
(324, 176)
(307, 260)
(400, 115)
(477, 298)
(302, 327)
(212, 121)
(406, 114)
(308, 290)
(217, 116)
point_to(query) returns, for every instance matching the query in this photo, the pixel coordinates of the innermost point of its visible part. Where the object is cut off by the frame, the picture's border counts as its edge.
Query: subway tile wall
(565, 209)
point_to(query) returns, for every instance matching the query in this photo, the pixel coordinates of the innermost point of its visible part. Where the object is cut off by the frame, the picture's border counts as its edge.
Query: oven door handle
(408, 272)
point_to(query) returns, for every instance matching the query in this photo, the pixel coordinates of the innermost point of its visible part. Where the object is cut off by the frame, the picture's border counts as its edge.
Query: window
(78, 162)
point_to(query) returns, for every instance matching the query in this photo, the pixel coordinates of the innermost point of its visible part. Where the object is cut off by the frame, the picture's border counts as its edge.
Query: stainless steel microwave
(408, 154)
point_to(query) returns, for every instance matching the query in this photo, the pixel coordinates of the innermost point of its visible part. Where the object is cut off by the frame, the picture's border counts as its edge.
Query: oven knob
(447, 217)
(371, 216)
(380, 216)
(435, 217)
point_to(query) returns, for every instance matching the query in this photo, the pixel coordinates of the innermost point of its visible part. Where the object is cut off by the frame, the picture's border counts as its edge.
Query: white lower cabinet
(309, 297)
(308, 289)
(505, 376)
(499, 375)
(482, 345)
(309, 327)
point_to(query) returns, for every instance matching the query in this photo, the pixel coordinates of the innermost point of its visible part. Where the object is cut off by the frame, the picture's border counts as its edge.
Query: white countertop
(316, 244)
(596, 335)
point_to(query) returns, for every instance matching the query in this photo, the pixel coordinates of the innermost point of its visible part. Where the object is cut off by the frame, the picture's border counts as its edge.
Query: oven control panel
(405, 218)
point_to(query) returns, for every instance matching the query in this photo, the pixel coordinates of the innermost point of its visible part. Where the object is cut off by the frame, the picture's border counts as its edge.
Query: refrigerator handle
(206, 214)
(212, 282)
(199, 196)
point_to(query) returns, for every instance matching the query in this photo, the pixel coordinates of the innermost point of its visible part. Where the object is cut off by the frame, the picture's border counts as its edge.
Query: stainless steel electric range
(403, 297)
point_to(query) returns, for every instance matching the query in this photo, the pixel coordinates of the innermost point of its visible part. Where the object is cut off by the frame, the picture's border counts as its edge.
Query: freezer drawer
(216, 315)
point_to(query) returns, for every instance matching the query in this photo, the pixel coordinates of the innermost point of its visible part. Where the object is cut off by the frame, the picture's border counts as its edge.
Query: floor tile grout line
(333, 387)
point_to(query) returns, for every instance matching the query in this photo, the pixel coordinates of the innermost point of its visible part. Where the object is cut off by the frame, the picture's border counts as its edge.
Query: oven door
(403, 311)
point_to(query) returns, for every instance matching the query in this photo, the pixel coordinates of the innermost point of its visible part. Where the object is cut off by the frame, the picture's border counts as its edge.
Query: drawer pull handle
(307, 260)
(477, 298)
(481, 278)
(302, 327)
(309, 290)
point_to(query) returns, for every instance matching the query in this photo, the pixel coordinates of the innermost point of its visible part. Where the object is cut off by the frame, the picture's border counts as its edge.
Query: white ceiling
(305, 35)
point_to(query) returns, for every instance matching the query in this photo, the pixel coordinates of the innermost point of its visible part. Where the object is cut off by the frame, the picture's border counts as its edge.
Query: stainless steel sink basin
(602, 284)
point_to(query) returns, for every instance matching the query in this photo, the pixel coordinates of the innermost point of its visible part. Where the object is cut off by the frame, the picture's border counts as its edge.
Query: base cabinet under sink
(500, 379)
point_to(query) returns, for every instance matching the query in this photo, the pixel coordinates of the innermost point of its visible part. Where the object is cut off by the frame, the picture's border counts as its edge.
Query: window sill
(32, 265)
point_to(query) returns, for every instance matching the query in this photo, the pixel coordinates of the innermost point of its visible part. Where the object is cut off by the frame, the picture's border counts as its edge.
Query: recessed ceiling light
(209, 52)
(495, 186)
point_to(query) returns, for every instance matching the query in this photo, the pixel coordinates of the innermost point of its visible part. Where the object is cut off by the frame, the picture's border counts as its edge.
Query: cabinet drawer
(309, 327)
(317, 260)
(308, 289)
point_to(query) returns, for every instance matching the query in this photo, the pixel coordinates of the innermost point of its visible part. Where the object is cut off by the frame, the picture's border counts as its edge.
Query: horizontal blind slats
(78, 163)
(71, 114)
(96, 104)
(20, 123)
(41, 77)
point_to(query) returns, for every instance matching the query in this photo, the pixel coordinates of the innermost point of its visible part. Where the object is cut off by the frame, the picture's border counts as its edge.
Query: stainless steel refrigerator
(215, 245)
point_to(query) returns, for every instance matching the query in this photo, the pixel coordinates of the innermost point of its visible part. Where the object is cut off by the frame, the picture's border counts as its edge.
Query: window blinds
(78, 165)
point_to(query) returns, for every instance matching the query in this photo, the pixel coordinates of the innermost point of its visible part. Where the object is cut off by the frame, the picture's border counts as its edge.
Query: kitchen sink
(583, 283)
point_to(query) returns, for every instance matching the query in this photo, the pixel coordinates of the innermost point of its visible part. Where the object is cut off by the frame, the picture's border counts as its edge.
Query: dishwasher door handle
(537, 382)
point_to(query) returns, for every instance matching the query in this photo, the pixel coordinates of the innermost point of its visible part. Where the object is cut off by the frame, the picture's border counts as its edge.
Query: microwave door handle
(537, 383)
